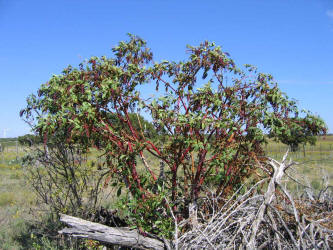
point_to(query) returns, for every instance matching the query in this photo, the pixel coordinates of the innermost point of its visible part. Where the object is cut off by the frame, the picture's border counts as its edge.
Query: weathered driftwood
(118, 236)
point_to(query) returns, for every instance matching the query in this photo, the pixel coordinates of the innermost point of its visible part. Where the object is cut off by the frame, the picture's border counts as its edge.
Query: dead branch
(267, 218)
(117, 236)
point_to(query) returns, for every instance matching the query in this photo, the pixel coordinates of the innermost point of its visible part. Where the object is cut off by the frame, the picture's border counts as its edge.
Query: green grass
(15, 200)
(6, 199)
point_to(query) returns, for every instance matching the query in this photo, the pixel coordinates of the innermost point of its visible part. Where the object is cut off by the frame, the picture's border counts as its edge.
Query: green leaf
(119, 191)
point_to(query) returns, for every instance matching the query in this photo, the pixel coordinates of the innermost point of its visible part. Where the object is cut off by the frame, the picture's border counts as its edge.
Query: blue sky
(292, 40)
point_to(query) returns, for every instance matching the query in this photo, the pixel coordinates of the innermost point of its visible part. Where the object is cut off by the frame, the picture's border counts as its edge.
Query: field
(15, 199)
(315, 161)
(18, 206)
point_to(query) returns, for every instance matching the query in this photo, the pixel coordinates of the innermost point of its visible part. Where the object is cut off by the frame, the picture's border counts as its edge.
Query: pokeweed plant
(211, 118)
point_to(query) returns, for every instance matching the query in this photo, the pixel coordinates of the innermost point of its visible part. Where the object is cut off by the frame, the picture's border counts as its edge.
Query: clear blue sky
(293, 40)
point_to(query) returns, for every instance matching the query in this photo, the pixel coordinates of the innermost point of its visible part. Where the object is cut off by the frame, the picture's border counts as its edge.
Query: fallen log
(117, 236)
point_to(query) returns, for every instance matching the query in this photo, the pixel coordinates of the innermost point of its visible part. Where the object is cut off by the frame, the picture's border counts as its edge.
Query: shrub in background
(64, 179)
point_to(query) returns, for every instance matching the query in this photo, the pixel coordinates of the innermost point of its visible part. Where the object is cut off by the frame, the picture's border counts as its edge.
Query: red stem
(154, 147)
(150, 171)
